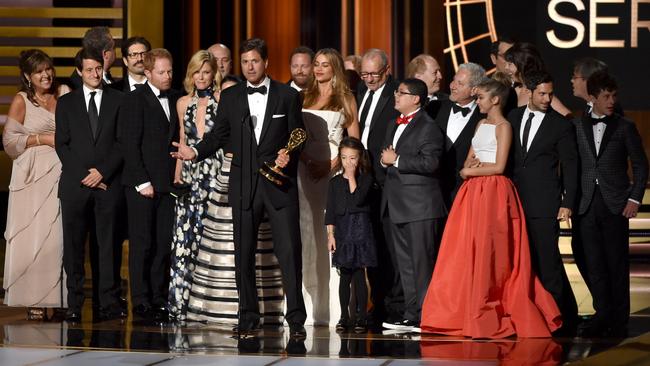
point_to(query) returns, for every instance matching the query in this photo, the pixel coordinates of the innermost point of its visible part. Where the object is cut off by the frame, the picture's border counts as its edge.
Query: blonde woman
(329, 112)
(196, 115)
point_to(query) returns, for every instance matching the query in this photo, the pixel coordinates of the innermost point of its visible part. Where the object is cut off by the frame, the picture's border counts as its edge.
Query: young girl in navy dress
(349, 231)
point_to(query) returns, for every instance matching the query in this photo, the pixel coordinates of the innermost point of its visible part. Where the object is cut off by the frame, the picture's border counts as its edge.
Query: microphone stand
(245, 121)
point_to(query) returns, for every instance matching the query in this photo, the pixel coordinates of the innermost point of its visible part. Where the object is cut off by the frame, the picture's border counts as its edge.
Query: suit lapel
(173, 119)
(470, 126)
(271, 103)
(82, 112)
(381, 103)
(589, 134)
(612, 126)
(107, 103)
(407, 130)
(516, 127)
(443, 117)
(542, 132)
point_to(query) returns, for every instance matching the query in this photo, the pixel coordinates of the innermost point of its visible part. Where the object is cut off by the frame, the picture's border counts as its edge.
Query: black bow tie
(138, 85)
(260, 89)
(201, 93)
(163, 94)
(595, 121)
(464, 110)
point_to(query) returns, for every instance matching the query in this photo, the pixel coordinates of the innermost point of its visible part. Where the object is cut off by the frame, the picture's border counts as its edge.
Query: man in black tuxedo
(426, 68)
(133, 50)
(457, 118)
(100, 41)
(545, 166)
(606, 142)
(412, 199)
(498, 50)
(222, 54)
(149, 124)
(377, 111)
(90, 188)
(256, 119)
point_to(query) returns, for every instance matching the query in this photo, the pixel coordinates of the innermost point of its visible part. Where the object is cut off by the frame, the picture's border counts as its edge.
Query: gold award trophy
(271, 170)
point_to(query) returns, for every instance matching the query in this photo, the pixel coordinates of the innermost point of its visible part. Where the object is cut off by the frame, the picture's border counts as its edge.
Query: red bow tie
(404, 120)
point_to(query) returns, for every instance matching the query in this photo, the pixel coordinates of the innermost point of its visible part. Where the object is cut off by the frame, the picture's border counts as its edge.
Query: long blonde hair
(195, 64)
(341, 94)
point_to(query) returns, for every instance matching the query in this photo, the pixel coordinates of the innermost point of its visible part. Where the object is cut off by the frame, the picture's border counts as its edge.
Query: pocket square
(278, 115)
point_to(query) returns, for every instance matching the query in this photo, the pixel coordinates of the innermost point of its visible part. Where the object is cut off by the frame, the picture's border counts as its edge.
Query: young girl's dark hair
(355, 144)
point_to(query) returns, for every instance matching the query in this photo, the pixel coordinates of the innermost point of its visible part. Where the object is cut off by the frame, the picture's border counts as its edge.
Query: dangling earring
(333, 81)
(29, 83)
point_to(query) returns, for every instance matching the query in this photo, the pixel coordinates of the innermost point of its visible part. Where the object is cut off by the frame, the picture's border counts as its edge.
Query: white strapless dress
(320, 281)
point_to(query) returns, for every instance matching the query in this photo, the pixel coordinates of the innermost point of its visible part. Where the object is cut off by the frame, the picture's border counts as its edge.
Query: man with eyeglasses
(412, 202)
(133, 51)
(376, 112)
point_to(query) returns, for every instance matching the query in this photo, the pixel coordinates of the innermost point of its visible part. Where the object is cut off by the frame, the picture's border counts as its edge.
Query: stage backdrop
(615, 31)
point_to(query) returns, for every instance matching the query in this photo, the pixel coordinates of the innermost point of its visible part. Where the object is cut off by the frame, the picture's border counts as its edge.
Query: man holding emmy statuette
(257, 122)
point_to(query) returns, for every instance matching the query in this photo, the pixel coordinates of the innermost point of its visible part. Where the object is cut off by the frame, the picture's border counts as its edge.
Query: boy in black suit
(412, 200)
(606, 142)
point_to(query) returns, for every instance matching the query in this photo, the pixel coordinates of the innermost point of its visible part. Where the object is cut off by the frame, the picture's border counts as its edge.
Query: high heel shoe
(37, 314)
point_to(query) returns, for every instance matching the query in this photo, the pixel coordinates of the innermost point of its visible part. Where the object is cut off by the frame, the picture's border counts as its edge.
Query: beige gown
(33, 272)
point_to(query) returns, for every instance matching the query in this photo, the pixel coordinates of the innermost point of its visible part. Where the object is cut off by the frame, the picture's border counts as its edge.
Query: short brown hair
(151, 57)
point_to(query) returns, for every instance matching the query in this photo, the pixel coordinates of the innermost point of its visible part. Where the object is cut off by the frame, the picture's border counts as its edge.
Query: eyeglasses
(374, 75)
(136, 54)
(399, 93)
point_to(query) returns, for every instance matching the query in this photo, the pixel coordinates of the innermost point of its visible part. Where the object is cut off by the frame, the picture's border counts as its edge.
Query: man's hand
(388, 156)
(331, 243)
(563, 214)
(631, 209)
(93, 178)
(147, 192)
(283, 158)
(184, 152)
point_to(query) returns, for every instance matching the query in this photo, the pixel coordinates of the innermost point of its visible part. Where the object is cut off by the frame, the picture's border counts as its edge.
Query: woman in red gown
(483, 285)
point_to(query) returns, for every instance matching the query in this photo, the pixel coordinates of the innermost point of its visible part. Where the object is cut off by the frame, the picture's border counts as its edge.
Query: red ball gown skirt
(483, 285)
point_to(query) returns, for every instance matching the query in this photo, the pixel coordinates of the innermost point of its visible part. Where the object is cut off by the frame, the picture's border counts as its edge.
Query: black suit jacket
(121, 85)
(546, 176)
(147, 139)
(621, 142)
(79, 150)
(455, 153)
(232, 126)
(433, 106)
(412, 191)
(383, 116)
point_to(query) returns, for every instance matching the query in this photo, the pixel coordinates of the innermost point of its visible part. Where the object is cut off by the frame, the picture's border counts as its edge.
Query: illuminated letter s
(579, 27)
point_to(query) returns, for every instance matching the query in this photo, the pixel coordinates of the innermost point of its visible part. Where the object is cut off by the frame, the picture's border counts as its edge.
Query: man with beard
(133, 51)
(301, 68)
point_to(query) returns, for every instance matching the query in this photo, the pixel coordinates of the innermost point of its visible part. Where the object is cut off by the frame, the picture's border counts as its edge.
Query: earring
(333, 81)
(29, 83)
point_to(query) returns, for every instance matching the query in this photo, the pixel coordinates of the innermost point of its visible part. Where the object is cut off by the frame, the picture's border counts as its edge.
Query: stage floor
(136, 342)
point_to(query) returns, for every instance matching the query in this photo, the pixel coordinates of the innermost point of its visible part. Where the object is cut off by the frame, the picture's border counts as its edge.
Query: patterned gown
(190, 210)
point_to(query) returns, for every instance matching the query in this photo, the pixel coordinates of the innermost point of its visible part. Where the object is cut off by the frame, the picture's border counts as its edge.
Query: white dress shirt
(398, 133)
(534, 126)
(132, 82)
(599, 131)
(457, 121)
(98, 97)
(164, 102)
(257, 106)
(295, 86)
(371, 112)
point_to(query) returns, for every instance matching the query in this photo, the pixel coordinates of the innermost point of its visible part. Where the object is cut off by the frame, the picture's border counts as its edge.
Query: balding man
(376, 112)
(223, 56)
(426, 68)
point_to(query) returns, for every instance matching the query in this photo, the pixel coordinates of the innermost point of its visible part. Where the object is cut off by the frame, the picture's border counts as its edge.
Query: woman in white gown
(329, 111)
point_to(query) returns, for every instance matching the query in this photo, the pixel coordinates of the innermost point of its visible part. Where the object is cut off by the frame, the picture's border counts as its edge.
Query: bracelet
(38, 140)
